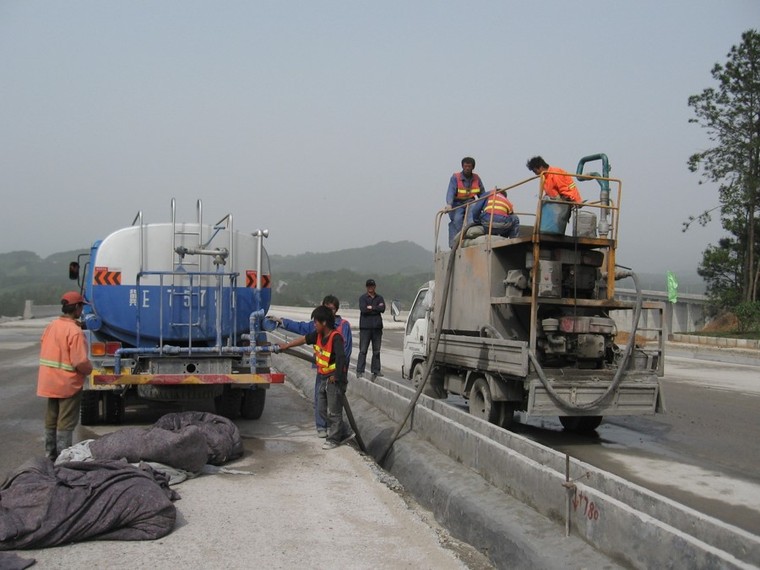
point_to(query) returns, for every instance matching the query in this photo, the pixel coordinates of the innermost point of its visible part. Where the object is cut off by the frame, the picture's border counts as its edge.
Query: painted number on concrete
(587, 506)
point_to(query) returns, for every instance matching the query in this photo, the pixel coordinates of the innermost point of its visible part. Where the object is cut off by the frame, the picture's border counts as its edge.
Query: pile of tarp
(114, 494)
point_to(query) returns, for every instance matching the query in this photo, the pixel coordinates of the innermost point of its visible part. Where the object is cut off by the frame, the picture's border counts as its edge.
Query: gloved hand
(277, 320)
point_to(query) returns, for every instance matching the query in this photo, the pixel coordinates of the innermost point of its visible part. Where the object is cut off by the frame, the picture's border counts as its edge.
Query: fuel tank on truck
(143, 292)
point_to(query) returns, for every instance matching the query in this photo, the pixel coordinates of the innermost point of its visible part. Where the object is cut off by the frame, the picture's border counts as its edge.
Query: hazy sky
(338, 124)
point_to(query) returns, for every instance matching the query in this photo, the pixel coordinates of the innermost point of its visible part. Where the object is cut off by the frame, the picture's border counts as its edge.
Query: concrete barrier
(619, 519)
(32, 311)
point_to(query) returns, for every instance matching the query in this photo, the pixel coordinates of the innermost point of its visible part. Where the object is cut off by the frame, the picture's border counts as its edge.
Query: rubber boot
(50, 444)
(63, 440)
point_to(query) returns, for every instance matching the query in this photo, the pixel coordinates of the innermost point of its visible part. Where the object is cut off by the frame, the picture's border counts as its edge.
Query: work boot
(50, 443)
(63, 440)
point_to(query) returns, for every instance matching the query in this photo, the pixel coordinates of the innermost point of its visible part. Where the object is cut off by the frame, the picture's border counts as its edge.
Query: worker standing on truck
(557, 183)
(64, 363)
(371, 309)
(464, 187)
(497, 215)
(330, 358)
(305, 327)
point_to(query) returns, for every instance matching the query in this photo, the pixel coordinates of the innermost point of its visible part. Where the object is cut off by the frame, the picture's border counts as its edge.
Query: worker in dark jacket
(371, 309)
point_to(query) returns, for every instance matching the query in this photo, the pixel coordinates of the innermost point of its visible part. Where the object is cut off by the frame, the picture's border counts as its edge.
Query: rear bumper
(632, 397)
(113, 380)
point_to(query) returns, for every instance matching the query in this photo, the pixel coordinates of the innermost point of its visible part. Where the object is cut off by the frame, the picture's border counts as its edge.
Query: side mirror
(74, 270)
(395, 310)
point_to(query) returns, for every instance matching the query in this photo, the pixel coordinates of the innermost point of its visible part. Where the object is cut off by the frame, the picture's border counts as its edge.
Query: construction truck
(176, 313)
(531, 324)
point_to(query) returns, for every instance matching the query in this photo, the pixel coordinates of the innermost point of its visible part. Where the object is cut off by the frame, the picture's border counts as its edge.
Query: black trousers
(367, 336)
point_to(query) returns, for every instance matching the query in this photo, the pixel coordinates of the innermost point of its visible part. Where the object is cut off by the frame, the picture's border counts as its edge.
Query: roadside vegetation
(730, 113)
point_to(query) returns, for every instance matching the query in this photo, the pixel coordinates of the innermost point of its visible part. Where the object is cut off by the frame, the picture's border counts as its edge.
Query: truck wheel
(89, 411)
(114, 407)
(580, 424)
(228, 403)
(253, 403)
(432, 389)
(481, 404)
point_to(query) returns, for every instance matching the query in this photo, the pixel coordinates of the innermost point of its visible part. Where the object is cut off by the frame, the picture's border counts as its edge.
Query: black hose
(431, 358)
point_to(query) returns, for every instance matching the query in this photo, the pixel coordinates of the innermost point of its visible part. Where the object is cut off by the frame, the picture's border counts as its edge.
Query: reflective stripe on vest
(498, 205)
(59, 365)
(464, 193)
(322, 353)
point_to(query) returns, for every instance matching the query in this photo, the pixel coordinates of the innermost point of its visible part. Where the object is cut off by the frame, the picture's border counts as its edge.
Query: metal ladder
(187, 286)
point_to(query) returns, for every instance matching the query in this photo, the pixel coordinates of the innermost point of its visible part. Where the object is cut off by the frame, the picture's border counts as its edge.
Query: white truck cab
(416, 333)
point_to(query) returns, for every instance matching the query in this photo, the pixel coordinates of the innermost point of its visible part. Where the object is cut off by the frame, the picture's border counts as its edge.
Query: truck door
(415, 335)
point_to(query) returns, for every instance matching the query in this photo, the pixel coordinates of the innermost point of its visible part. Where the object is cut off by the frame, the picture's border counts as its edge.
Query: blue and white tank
(141, 292)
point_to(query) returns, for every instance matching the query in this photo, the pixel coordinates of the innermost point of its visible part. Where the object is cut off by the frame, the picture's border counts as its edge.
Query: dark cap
(370, 283)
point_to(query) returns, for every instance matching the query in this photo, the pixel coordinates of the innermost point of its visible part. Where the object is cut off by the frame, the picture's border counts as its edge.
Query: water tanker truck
(531, 324)
(176, 314)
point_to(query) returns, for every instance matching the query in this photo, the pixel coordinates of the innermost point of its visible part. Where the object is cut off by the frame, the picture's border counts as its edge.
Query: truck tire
(481, 404)
(89, 411)
(431, 388)
(228, 403)
(580, 424)
(253, 403)
(113, 405)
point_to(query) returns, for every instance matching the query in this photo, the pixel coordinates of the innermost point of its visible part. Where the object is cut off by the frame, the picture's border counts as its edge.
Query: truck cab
(416, 334)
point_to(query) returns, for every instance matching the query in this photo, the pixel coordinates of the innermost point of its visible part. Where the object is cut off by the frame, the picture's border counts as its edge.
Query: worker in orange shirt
(558, 183)
(64, 363)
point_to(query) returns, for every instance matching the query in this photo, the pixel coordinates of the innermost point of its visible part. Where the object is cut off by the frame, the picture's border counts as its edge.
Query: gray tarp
(186, 440)
(45, 505)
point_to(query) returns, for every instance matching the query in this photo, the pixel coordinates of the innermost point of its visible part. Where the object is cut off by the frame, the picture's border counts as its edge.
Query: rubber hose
(619, 374)
(433, 352)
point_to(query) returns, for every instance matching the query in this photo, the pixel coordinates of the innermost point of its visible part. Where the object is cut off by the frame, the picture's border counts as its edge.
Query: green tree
(730, 113)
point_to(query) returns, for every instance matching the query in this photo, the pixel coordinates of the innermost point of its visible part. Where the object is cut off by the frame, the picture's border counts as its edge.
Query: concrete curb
(510, 533)
(608, 513)
(713, 352)
(743, 343)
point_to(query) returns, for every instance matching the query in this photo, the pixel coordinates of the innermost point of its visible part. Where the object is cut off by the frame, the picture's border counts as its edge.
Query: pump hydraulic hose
(619, 374)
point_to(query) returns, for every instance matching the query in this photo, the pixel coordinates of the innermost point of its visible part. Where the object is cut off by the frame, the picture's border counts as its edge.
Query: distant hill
(399, 267)
(25, 275)
(384, 258)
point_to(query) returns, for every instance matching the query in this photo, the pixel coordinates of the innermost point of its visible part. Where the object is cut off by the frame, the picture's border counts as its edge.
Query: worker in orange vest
(497, 215)
(558, 184)
(64, 363)
(330, 358)
(464, 187)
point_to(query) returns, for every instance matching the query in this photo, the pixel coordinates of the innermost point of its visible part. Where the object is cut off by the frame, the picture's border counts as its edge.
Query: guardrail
(687, 314)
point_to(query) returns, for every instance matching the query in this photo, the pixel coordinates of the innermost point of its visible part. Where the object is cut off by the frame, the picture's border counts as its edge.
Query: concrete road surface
(290, 504)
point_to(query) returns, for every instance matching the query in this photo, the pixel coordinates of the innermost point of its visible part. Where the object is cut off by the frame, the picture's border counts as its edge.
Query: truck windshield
(418, 310)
